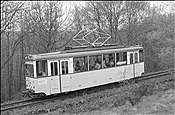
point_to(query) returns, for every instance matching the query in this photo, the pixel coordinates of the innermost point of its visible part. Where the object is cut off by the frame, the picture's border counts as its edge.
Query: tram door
(65, 70)
(134, 62)
(131, 62)
(138, 66)
(54, 79)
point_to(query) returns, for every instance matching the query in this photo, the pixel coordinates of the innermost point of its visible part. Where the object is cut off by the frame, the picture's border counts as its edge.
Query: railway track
(24, 103)
(18, 104)
(155, 74)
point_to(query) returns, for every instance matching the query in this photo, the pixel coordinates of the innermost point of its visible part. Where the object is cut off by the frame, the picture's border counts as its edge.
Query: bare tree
(48, 25)
(8, 12)
(78, 18)
(114, 11)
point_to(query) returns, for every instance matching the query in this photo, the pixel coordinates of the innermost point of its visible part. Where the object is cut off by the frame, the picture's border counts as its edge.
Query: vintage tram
(80, 68)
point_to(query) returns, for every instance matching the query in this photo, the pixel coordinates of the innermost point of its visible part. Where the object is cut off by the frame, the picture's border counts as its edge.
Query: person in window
(77, 66)
(111, 62)
(104, 63)
(41, 73)
(97, 65)
(91, 64)
(83, 67)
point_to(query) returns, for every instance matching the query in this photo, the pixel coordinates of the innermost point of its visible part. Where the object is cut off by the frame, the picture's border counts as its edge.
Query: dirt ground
(158, 103)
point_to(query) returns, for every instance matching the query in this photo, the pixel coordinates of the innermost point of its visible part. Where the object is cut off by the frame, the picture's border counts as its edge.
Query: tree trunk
(9, 79)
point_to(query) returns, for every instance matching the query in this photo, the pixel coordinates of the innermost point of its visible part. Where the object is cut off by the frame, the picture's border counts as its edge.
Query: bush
(134, 99)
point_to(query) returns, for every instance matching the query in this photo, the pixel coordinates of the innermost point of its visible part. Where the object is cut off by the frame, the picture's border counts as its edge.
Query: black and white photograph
(87, 57)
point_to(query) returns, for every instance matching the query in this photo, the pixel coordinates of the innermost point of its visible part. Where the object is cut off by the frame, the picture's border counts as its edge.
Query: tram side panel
(100, 77)
(43, 85)
(47, 85)
(125, 72)
(65, 83)
(38, 85)
(31, 83)
(86, 79)
(139, 69)
(54, 84)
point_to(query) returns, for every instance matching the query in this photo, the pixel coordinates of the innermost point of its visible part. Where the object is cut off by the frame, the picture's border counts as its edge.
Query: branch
(9, 21)
(17, 42)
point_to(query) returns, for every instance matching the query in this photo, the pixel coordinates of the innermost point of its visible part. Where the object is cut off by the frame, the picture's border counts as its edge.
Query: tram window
(121, 58)
(80, 64)
(125, 56)
(64, 65)
(41, 68)
(29, 71)
(108, 60)
(136, 58)
(54, 68)
(95, 62)
(117, 57)
(140, 55)
(131, 58)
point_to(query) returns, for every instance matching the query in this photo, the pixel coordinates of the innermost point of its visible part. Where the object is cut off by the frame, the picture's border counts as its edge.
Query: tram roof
(82, 52)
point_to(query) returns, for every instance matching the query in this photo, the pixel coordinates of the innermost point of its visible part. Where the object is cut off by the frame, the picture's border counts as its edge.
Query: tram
(70, 70)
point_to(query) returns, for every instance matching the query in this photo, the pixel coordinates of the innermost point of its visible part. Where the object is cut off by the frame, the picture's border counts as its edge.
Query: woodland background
(39, 27)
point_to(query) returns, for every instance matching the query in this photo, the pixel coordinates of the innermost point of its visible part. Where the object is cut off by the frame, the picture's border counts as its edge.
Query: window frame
(132, 58)
(141, 57)
(136, 57)
(55, 64)
(67, 67)
(114, 60)
(81, 60)
(121, 58)
(26, 70)
(101, 55)
(39, 67)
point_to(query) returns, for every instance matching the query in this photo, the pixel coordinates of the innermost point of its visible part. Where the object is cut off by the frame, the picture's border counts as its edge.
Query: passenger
(104, 63)
(91, 65)
(111, 63)
(77, 67)
(41, 73)
(97, 65)
(83, 67)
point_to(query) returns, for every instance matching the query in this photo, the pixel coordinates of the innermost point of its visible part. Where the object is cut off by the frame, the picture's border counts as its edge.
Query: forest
(39, 27)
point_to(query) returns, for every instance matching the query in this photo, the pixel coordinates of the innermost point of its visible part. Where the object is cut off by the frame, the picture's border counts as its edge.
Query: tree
(114, 11)
(8, 13)
(135, 14)
(48, 25)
